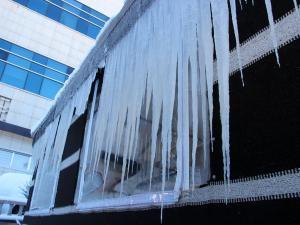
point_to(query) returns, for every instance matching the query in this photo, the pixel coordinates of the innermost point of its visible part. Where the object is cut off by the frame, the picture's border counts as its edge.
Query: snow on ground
(12, 186)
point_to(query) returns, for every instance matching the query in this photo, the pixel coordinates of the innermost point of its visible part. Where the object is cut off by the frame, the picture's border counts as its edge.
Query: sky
(107, 7)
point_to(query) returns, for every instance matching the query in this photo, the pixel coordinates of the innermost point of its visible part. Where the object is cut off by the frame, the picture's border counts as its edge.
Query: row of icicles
(169, 39)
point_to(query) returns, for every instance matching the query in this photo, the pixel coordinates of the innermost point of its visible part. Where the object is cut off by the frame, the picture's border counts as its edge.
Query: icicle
(272, 28)
(237, 38)
(221, 28)
(204, 107)
(208, 48)
(195, 115)
(241, 5)
(296, 6)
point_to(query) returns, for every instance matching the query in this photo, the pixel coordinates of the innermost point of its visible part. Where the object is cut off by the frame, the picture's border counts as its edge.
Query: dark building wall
(277, 212)
(264, 117)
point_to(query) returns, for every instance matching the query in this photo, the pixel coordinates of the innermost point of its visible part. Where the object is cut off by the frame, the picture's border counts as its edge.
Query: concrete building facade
(41, 43)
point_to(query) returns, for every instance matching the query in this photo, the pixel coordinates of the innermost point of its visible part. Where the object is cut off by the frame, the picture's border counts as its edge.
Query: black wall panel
(277, 212)
(75, 136)
(264, 117)
(67, 186)
(252, 19)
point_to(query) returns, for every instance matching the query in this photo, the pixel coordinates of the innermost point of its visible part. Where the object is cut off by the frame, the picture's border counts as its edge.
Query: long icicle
(208, 47)
(272, 28)
(221, 35)
(236, 34)
(296, 6)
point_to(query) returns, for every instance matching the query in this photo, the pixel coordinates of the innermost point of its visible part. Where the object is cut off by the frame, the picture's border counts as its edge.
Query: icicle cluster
(161, 72)
(49, 148)
(166, 63)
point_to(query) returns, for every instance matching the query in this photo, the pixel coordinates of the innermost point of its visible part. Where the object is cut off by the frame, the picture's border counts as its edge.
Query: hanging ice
(221, 27)
(272, 28)
(165, 80)
(205, 34)
(296, 6)
(236, 33)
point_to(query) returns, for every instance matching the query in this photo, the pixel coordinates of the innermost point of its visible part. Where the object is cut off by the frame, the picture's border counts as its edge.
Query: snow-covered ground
(12, 187)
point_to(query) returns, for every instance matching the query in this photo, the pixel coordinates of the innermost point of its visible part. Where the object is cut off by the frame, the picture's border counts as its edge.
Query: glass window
(5, 158)
(40, 59)
(22, 51)
(69, 70)
(55, 75)
(38, 6)
(93, 31)
(20, 162)
(84, 15)
(75, 3)
(82, 26)
(5, 44)
(57, 2)
(3, 55)
(71, 8)
(53, 12)
(37, 68)
(14, 76)
(49, 88)
(33, 83)
(2, 66)
(99, 15)
(68, 19)
(56, 65)
(23, 2)
(86, 8)
(96, 21)
(19, 61)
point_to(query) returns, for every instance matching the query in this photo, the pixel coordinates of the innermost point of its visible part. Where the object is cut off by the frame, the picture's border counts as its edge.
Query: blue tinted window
(40, 59)
(55, 75)
(93, 31)
(3, 55)
(14, 76)
(38, 6)
(49, 88)
(37, 68)
(84, 15)
(75, 3)
(2, 66)
(33, 83)
(69, 19)
(82, 26)
(96, 21)
(5, 44)
(53, 12)
(22, 78)
(71, 8)
(56, 65)
(22, 51)
(57, 2)
(87, 9)
(23, 2)
(69, 14)
(19, 61)
(70, 70)
(99, 15)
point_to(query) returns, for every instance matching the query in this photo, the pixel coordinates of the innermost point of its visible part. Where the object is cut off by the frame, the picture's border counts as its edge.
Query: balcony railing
(12, 209)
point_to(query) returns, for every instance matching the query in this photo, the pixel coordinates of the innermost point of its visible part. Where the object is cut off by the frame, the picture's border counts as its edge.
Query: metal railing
(11, 210)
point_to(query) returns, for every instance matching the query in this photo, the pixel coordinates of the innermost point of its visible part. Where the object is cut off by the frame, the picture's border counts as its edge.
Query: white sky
(107, 7)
